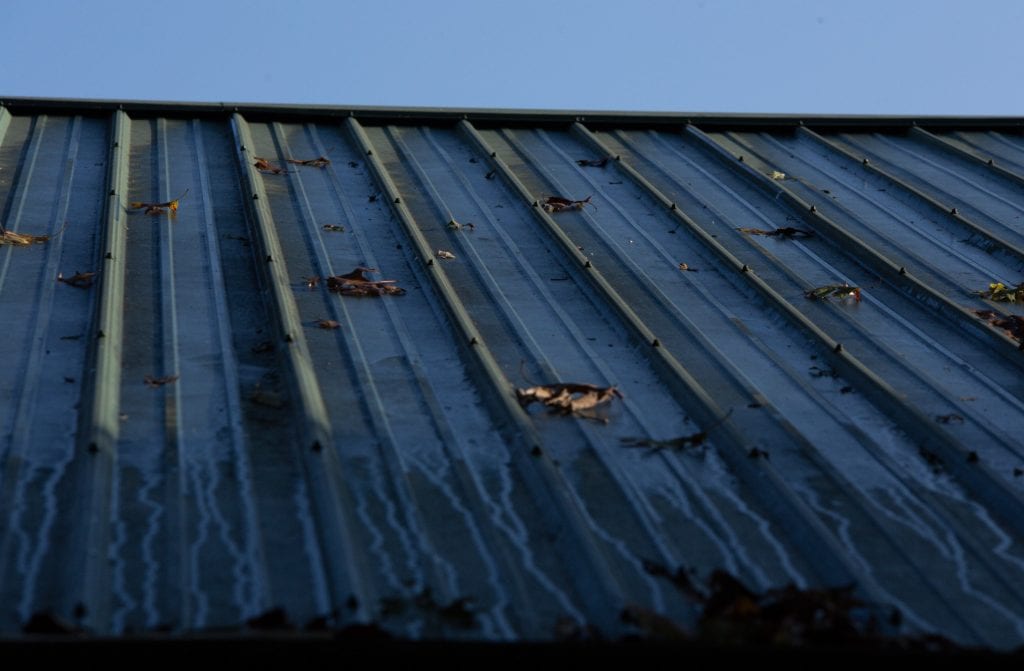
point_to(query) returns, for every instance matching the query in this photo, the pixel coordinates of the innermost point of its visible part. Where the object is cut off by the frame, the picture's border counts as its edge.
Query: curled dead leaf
(155, 382)
(318, 162)
(567, 398)
(158, 208)
(559, 204)
(20, 239)
(999, 292)
(264, 165)
(840, 291)
(445, 254)
(79, 279)
(334, 228)
(328, 324)
(356, 283)
(787, 232)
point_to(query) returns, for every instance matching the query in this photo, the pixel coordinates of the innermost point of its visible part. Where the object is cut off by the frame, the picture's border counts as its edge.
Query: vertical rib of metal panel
(100, 414)
(322, 466)
(595, 582)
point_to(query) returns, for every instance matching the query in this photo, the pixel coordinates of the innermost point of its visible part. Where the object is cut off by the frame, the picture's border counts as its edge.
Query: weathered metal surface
(207, 434)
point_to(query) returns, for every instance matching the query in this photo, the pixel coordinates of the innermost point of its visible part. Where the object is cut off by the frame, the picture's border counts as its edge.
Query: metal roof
(184, 447)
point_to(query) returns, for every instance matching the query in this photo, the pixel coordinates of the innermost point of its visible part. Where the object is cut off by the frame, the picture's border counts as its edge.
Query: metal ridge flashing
(23, 105)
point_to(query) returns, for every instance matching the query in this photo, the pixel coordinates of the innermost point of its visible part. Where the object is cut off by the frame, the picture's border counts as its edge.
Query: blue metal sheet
(188, 444)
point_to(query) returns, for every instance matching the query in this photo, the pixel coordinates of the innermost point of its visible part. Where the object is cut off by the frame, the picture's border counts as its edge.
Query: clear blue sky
(801, 56)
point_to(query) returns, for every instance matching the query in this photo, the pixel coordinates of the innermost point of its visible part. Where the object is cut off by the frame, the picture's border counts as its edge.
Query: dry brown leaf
(559, 204)
(155, 382)
(328, 324)
(356, 283)
(312, 281)
(318, 162)
(158, 208)
(12, 238)
(787, 232)
(445, 254)
(264, 165)
(567, 398)
(79, 279)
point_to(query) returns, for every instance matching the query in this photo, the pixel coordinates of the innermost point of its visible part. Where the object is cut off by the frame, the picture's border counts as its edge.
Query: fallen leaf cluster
(158, 208)
(567, 398)
(559, 204)
(356, 283)
(458, 613)
(734, 616)
(79, 279)
(840, 291)
(334, 228)
(999, 292)
(1012, 324)
(592, 162)
(156, 382)
(456, 226)
(787, 232)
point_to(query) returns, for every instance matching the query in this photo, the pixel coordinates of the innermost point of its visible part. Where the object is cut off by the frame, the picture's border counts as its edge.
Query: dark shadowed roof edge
(29, 105)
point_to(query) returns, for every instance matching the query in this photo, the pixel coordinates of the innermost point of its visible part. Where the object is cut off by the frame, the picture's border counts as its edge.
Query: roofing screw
(116, 145)
(745, 268)
(536, 451)
(741, 159)
(903, 271)
(270, 258)
(288, 337)
(838, 348)
(672, 207)
(255, 196)
(474, 341)
(316, 447)
(494, 154)
(990, 162)
(536, 204)
(813, 208)
(93, 448)
(588, 265)
(865, 161)
(430, 262)
(242, 147)
(101, 334)
(108, 255)
(111, 192)
(954, 211)
(397, 201)
(655, 343)
(972, 457)
(369, 152)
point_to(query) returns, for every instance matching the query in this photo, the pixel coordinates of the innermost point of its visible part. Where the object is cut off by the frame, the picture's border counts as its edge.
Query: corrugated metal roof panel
(206, 433)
